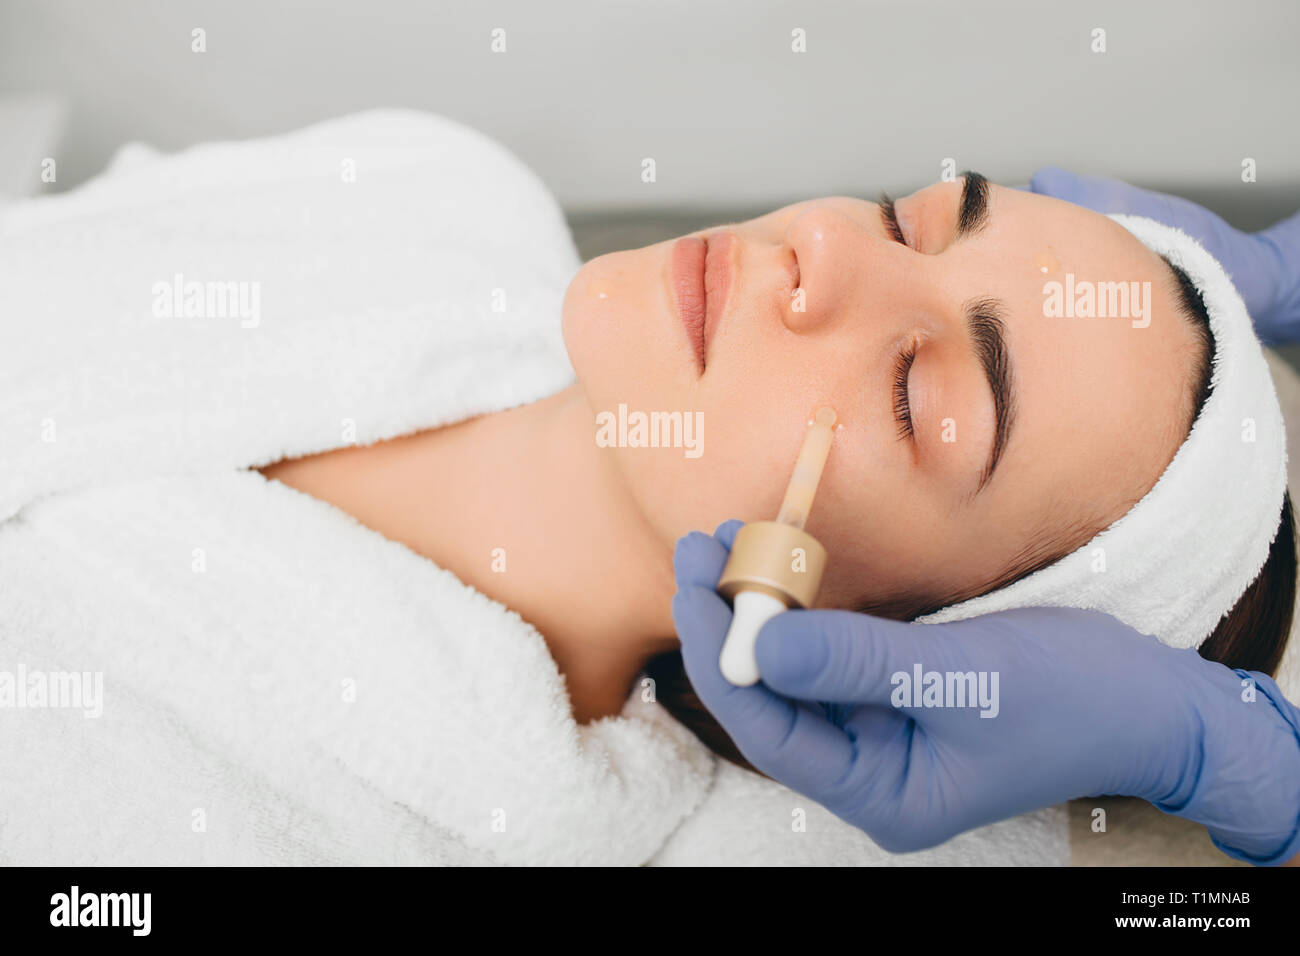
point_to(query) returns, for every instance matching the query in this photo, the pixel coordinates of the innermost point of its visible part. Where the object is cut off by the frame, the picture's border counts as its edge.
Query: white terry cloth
(281, 684)
(1179, 560)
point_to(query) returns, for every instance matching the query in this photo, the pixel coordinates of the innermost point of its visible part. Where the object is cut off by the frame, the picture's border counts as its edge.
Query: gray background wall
(736, 122)
(711, 90)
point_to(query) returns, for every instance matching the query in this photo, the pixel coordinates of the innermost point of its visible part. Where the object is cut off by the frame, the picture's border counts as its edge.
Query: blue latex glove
(1265, 266)
(1086, 706)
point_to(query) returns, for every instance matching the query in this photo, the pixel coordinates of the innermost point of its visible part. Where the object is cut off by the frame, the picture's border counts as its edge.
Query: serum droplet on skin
(1045, 262)
(825, 415)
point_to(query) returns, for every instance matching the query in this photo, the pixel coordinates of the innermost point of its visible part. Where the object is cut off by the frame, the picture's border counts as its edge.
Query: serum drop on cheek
(776, 565)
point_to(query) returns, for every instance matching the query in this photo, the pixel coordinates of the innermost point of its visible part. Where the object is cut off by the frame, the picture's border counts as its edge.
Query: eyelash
(902, 407)
(890, 215)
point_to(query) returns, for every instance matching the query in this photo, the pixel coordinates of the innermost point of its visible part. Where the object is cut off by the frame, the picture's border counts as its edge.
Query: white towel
(281, 684)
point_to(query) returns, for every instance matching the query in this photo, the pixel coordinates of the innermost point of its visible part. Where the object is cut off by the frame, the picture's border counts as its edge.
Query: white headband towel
(1182, 557)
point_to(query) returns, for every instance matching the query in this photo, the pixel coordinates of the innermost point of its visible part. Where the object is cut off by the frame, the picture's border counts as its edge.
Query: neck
(524, 506)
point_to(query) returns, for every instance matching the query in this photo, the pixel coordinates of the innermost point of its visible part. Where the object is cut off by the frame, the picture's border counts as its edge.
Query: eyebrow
(973, 212)
(984, 322)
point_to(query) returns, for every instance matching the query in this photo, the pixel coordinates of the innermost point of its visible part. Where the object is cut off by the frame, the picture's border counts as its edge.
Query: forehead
(1103, 357)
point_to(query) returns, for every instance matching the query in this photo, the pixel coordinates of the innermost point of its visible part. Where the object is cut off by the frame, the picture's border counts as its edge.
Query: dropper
(808, 467)
(776, 565)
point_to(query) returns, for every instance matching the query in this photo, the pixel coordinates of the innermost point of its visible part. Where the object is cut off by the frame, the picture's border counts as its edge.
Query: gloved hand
(1264, 266)
(1085, 706)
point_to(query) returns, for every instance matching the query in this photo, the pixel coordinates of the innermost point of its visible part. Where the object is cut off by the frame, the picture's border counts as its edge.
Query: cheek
(890, 541)
(881, 546)
(888, 536)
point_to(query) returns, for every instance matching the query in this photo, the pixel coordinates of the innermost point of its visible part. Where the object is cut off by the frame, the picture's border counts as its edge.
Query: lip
(701, 279)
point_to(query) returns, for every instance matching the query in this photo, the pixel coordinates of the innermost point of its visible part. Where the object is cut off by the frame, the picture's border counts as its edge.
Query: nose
(834, 253)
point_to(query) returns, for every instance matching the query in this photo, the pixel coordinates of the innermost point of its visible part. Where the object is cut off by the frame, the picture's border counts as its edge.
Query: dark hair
(1251, 636)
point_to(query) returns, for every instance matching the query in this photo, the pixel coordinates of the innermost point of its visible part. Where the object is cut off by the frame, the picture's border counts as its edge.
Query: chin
(589, 327)
(618, 330)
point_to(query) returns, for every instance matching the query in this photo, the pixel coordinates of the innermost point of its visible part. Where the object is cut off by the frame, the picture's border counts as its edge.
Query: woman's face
(823, 305)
